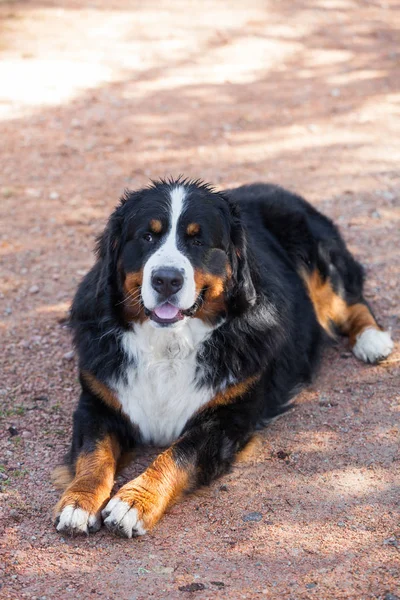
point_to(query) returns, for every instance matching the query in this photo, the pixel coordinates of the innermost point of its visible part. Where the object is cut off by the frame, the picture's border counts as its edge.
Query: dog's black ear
(242, 292)
(107, 252)
(109, 243)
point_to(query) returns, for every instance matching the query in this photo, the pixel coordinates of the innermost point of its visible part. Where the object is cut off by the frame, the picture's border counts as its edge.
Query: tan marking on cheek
(133, 281)
(351, 319)
(231, 393)
(94, 477)
(101, 390)
(157, 488)
(214, 295)
(156, 226)
(193, 229)
(133, 305)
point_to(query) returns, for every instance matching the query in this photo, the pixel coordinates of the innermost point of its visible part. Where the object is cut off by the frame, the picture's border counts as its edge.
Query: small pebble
(192, 587)
(252, 516)
(69, 355)
(282, 454)
(32, 192)
(163, 570)
(40, 399)
(34, 289)
(392, 541)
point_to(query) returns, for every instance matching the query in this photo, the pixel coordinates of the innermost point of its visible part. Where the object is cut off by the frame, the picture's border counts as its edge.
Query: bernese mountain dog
(204, 314)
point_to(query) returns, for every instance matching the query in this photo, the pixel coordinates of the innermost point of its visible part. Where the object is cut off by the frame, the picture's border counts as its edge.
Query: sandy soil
(99, 96)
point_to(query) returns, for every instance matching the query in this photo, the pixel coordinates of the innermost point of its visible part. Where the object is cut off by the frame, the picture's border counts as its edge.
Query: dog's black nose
(167, 281)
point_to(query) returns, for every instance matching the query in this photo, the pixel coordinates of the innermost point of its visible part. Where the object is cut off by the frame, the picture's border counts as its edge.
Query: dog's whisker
(133, 296)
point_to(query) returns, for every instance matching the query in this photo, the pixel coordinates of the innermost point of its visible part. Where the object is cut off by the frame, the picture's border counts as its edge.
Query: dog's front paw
(123, 518)
(73, 520)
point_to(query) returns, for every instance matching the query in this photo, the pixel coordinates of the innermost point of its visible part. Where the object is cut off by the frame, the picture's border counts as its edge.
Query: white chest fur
(160, 394)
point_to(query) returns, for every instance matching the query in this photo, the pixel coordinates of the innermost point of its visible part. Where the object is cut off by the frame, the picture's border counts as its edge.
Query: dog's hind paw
(373, 345)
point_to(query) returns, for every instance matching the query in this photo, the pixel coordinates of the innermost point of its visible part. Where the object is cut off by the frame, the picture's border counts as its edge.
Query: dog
(204, 315)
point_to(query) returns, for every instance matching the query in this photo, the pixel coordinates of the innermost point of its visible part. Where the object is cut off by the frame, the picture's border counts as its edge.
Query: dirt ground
(103, 95)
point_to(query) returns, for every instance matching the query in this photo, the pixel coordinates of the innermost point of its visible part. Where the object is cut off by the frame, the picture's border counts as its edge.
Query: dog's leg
(205, 451)
(369, 342)
(353, 319)
(78, 510)
(139, 504)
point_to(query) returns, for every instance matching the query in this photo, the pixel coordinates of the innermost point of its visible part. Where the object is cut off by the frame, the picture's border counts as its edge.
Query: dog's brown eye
(148, 237)
(197, 242)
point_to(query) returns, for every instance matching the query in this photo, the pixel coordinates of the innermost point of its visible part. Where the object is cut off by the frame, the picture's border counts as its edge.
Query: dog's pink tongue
(166, 311)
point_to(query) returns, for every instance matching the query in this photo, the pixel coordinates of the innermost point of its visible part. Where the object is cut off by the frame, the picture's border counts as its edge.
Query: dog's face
(177, 250)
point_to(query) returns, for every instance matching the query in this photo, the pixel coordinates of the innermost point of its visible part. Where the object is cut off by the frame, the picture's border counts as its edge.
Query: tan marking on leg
(61, 477)
(156, 489)
(231, 393)
(156, 226)
(351, 319)
(94, 478)
(101, 390)
(359, 318)
(251, 449)
(328, 306)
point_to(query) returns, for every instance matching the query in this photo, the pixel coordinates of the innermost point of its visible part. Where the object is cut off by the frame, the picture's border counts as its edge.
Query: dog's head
(174, 251)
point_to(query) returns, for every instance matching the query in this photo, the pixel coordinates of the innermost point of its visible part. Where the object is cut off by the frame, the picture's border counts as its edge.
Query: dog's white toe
(122, 520)
(75, 521)
(372, 345)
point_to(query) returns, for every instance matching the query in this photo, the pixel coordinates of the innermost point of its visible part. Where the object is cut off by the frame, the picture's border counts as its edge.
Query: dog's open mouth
(167, 313)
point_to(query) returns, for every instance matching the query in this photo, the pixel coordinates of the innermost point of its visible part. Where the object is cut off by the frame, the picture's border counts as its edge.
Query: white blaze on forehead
(169, 255)
(178, 197)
